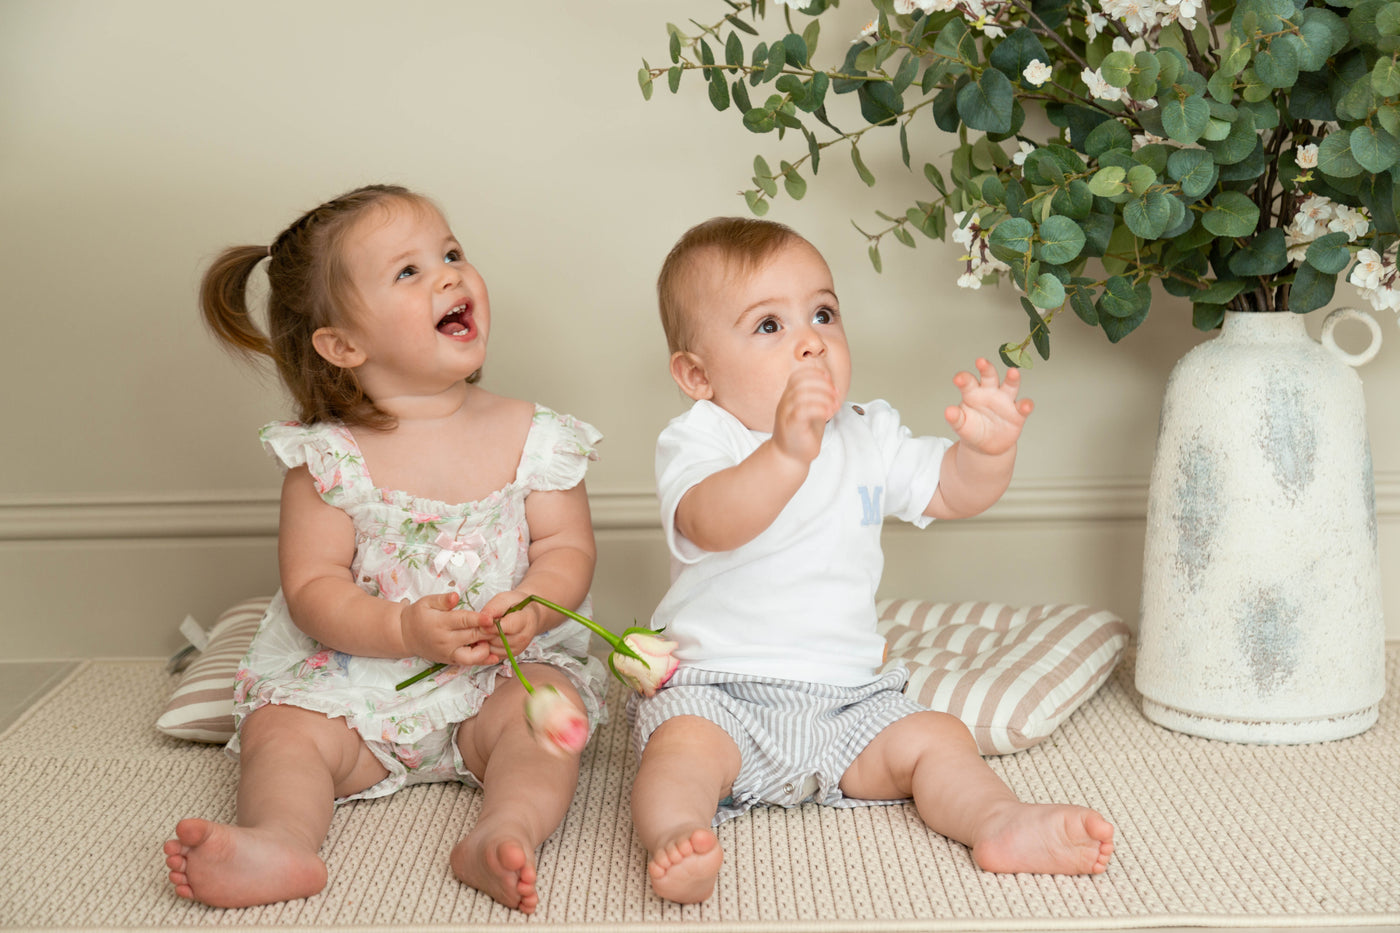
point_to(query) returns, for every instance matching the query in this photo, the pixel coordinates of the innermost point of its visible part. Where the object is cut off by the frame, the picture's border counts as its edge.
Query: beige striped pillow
(1011, 674)
(201, 708)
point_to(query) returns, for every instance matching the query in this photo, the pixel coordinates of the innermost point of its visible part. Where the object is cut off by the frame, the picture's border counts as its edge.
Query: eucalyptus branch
(1046, 30)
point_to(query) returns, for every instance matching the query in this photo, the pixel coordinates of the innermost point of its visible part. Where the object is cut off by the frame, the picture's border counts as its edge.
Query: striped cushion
(201, 708)
(1011, 674)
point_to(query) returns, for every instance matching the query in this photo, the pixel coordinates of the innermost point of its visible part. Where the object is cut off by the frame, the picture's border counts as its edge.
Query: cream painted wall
(137, 139)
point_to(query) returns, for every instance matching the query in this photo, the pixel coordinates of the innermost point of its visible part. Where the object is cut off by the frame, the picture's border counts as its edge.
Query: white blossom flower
(1137, 15)
(1313, 216)
(1305, 156)
(868, 32)
(1095, 23)
(964, 233)
(1123, 45)
(1350, 221)
(1019, 157)
(1183, 10)
(969, 280)
(1146, 139)
(907, 7)
(1367, 272)
(1098, 86)
(1036, 73)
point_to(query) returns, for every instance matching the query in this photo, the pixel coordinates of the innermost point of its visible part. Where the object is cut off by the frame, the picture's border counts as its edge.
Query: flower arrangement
(641, 659)
(1241, 152)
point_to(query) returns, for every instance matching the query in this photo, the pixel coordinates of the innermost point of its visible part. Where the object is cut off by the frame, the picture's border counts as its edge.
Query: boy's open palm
(989, 417)
(435, 630)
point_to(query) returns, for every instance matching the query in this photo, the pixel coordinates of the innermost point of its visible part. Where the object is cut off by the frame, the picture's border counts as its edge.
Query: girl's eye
(405, 272)
(768, 326)
(453, 255)
(824, 316)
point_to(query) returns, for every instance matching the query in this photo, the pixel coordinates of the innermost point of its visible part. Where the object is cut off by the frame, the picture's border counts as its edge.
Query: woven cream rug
(1208, 833)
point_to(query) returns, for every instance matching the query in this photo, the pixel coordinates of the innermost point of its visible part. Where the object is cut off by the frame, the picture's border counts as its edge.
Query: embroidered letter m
(870, 505)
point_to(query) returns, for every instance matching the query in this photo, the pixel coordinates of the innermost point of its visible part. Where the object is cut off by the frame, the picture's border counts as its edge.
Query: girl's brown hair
(308, 288)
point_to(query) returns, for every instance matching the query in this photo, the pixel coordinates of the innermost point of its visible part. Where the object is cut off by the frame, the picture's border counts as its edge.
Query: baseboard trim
(238, 514)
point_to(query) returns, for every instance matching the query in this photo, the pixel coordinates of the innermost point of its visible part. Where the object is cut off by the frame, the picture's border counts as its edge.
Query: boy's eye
(768, 326)
(453, 255)
(824, 316)
(405, 272)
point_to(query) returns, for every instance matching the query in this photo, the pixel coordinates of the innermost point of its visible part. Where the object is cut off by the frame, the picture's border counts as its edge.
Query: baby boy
(773, 489)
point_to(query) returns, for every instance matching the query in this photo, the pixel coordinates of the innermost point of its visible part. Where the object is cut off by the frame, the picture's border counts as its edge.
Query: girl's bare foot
(1052, 839)
(235, 866)
(685, 870)
(500, 861)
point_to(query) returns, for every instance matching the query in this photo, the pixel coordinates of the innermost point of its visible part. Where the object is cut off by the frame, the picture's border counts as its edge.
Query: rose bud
(556, 722)
(660, 664)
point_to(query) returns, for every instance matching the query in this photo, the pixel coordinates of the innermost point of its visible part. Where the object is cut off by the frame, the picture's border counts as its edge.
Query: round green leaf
(1047, 292)
(1011, 239)
(1194, 169)
(1264, 254)
(1108, 181)
(1061, 241)
(1185, 120)
(1150, 215)
(1329, 253)
(1231, 214)
(985, 104)
(1117, 68)
(1385, 77)
(1374, 149)
(1334, 157)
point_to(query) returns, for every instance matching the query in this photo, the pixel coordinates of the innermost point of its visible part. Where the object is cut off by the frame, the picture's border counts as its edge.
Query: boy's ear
(689, 372)
(336, 348)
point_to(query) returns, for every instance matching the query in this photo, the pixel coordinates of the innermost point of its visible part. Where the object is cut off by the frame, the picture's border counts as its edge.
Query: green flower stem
(614, 641)
(520, 675)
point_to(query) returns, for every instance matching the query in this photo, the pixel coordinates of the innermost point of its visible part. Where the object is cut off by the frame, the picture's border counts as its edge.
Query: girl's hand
(808, 402)
(434, 629)
(989, 418)
(520, 626)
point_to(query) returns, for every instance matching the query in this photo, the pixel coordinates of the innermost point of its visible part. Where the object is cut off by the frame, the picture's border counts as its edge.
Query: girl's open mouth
(458, 322)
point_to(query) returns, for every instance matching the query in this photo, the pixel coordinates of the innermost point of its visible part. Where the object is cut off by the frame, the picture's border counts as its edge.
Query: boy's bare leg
(526, 792)
(932, 758)
(688, 766)
(293, 763)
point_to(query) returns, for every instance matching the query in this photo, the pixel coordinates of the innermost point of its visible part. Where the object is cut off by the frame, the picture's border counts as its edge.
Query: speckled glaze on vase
(1261, 607)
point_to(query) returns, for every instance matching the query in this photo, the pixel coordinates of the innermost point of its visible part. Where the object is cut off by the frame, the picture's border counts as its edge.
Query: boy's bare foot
(685, 870)
(500, 861)
(1051, 839)
(235, 866)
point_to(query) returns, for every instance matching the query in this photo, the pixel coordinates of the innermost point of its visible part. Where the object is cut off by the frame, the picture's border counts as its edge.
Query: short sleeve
(326, 449)
(695, 445)
(557, 451)
(912, 464)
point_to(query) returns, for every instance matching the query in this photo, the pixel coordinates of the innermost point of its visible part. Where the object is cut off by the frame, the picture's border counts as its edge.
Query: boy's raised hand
(989, 417)
(807, 404)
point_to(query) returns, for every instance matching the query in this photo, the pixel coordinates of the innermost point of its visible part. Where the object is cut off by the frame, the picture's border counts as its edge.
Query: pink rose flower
(558, 724)
(647, 678)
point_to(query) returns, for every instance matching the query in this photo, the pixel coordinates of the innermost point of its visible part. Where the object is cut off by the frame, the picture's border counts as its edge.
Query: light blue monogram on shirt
(870, 505)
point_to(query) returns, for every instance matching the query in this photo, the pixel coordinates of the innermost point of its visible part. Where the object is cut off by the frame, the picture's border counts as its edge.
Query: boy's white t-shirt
(798, 601)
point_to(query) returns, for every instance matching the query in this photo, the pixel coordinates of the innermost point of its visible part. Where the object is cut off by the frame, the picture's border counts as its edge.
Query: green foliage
(1174, 156)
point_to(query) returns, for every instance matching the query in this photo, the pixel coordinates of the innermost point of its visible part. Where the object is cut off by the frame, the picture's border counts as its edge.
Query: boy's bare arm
(732, 507)
(988, 421)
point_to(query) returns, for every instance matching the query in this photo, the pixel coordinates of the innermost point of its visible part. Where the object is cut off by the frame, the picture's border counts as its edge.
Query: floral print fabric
(406, 548)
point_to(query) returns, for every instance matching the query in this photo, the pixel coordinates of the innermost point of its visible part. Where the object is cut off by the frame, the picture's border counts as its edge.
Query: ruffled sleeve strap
(557, 451)
(327, 450)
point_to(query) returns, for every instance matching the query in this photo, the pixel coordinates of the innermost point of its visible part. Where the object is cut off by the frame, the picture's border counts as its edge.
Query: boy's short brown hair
(740, 243)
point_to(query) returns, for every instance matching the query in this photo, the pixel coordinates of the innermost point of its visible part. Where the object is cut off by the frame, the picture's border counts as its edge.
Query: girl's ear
(689, 372)
(336, 348)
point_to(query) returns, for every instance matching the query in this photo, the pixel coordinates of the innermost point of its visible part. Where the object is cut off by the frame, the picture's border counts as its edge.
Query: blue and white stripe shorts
(795, 739)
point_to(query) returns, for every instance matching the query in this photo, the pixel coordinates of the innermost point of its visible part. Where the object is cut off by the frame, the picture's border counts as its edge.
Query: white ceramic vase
(1261, 606)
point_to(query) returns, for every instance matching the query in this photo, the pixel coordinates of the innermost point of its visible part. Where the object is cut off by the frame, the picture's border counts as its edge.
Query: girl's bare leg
(527, 790)
(932, 758)
(293, 763)
(688, 766)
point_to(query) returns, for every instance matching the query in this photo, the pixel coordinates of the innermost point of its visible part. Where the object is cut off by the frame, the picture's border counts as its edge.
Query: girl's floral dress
(407, 548)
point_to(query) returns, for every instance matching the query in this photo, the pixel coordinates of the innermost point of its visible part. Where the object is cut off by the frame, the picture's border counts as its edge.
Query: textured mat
(1208, 833)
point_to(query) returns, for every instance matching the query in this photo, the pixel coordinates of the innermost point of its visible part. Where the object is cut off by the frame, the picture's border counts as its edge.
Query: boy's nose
(811, 345)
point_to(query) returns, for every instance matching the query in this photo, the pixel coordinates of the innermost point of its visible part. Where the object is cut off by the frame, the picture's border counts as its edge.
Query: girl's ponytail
(223, 297)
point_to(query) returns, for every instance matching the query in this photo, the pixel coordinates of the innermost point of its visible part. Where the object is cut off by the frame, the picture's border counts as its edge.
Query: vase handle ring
(1351, 314)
